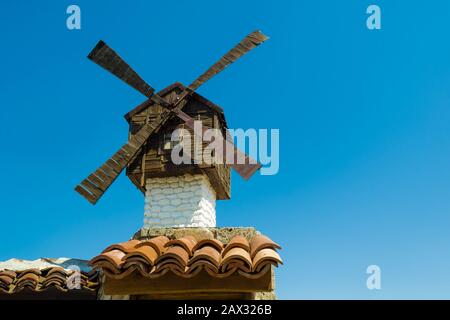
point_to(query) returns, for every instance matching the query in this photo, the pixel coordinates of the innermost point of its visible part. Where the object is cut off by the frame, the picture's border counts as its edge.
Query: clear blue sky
(363, 117)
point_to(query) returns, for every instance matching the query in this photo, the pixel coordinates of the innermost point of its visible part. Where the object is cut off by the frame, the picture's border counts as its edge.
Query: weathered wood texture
(107, 58)
(136, 284)
(154, 161)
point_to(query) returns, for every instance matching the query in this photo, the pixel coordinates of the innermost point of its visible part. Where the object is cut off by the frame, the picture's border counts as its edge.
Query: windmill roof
(166, 90)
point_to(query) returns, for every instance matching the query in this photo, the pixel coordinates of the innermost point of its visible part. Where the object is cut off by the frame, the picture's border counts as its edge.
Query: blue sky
(363, 117)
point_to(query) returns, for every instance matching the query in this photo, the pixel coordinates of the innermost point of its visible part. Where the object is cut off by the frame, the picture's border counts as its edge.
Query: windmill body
(154, 161)
(180, 195)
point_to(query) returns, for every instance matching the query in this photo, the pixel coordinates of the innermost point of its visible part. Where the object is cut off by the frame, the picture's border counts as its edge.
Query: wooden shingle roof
(177, 85)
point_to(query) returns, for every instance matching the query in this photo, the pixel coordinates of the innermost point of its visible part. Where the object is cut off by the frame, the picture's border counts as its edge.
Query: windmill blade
(245, 169)
(108, 59)
(249, 167)
(250, 42)
(96, 184)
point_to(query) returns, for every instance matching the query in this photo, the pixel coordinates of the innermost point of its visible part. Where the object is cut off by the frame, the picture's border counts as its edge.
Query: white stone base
(183, 201)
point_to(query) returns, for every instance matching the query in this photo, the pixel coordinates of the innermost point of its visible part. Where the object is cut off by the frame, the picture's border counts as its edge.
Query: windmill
(95, 185)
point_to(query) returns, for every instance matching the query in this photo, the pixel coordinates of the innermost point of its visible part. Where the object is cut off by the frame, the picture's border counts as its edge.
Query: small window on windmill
(167, 143)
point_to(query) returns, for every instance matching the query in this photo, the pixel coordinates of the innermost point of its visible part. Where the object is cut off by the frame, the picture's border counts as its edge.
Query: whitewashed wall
(184, 201)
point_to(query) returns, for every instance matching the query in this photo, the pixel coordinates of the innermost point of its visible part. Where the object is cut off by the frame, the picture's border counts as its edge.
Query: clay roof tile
(264, 257)
(157, 243)
(236, 254)
(260, 242)
(12, 282)
(113, 257)
(176, 252)
(209, 242)
(237, 241)
(187, 242)
(123, 246)
(148, 253)
(207, 253)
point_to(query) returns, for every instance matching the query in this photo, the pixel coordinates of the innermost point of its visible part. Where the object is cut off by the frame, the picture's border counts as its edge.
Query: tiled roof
(45, 263)
(186, 257)
(41, 280)
(43, 275)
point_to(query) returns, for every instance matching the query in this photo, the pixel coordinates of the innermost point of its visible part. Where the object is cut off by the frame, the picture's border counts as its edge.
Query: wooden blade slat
(97, 181)
(128, 149)
(250, 167)
(246, 171)
(92, 199)
(119, 160)
(113, 165)
(108, 59)
(101, 174)
(123, 154)
(140, 138)
(92, 188)
(248, 43)
(108, 171)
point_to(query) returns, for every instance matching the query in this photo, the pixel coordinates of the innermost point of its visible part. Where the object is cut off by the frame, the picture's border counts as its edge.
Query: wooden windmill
(144, 155)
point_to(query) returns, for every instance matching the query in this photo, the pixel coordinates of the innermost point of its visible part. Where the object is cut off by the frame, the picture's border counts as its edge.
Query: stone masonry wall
(183, 201)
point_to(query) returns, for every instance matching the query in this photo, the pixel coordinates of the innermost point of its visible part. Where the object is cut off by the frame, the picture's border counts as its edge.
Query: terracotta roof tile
(264, 257)
(209, 242)
(36, 280)
(123, 246)
(186, 257)
(260, 242)
(187, 242)
(147, 253)
(114, 257)
(179, 253)
(6, 279)
(157, 243)
(237, 257)
(207, 253)
(237, 242)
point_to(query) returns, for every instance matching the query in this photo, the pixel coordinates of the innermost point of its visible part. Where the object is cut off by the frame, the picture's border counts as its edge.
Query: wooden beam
(172, 284)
